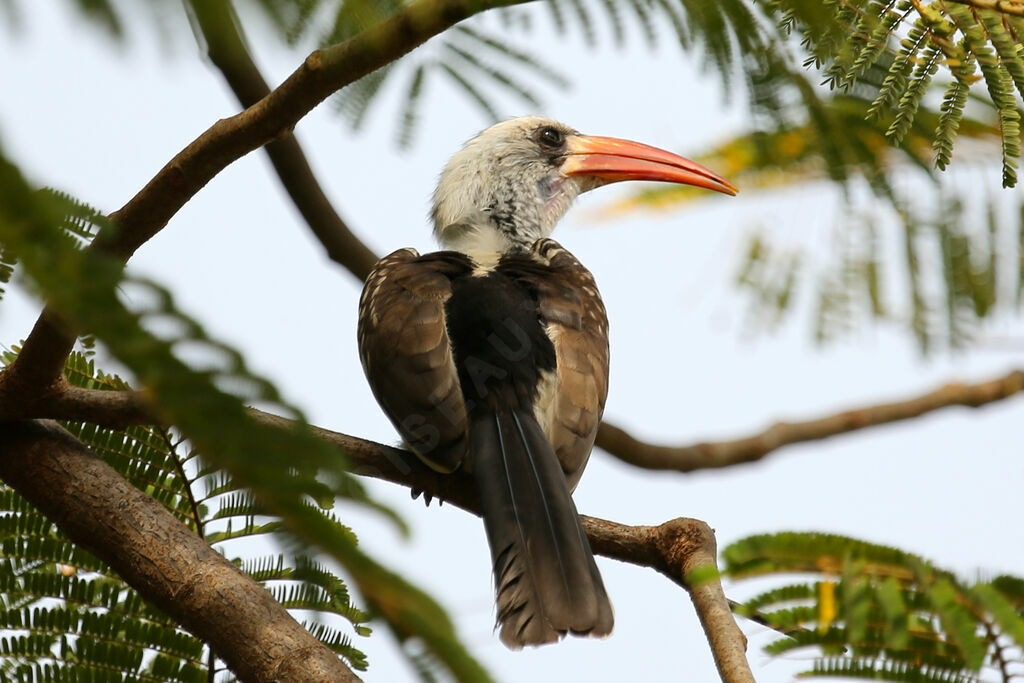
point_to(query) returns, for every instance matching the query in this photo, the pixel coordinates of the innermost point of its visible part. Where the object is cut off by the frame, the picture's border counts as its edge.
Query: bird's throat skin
(510, 224)
(521, 218)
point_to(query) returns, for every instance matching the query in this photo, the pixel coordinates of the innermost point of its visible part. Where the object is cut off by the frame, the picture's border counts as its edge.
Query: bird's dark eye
(551, 137)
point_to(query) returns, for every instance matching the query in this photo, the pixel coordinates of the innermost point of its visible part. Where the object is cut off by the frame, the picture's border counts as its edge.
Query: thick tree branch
(682, 549)
(167, 563)
(119, 409)
(323, 72)
(727, 453)
(116, 409)
(180, 573)
(37, 373)
(679, 549)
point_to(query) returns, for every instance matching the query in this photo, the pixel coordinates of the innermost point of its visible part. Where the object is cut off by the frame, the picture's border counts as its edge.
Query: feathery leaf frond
(285, 468)
(875, 612)
(68, 612)
(929, 35)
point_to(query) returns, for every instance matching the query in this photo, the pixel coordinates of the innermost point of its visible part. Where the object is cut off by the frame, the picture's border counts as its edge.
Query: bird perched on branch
(492, 356)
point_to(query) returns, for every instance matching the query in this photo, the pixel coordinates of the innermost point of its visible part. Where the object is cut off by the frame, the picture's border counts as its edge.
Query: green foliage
(80, 222)
(487, 58)
(978, 275)
(769, 43)
(854, 286)
(787, 153)
(478, 63)
(104, 13)
(877, 613)
(65, 613)
(115, 19)
(886, 51)
(953, 102)
(873, 612)
(911, 41)
(8, 260)
(998, 67)
(960, 279)
(285, 469)
(879, 125)
(768, 278)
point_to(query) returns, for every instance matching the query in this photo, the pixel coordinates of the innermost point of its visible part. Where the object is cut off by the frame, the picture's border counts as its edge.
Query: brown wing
(406, 354)
(577, 324)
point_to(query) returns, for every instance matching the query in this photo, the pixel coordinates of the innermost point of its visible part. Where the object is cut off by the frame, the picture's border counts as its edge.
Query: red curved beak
(613, 160)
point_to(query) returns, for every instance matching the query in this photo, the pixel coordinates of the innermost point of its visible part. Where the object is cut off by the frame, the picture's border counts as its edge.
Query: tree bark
(163, 560)
(178, 572)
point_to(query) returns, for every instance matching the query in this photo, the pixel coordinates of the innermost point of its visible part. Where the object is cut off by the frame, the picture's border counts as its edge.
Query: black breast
(498, 338)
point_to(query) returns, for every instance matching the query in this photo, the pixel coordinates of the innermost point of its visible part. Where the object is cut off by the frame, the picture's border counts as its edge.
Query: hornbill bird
(492, 355)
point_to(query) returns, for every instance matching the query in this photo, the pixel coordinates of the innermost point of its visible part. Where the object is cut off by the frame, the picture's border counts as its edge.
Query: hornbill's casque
(492, 356)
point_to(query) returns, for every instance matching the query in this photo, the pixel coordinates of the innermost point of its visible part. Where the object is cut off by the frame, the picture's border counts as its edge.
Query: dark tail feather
(544, 571)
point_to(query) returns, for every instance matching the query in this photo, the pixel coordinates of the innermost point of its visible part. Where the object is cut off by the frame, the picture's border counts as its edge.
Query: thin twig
(227, 50)
(727, 453)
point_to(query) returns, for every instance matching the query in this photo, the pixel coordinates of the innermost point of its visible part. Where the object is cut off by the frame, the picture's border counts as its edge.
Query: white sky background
(99, 122)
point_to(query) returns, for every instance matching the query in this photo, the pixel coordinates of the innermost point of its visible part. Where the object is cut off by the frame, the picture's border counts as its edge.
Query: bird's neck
(486, 240)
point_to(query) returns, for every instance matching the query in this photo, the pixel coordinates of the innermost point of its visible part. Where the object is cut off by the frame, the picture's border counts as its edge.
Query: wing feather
(577, 323)
(405, 350)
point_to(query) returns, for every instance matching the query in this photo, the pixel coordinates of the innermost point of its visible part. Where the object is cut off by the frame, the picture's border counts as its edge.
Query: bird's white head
(511, 184)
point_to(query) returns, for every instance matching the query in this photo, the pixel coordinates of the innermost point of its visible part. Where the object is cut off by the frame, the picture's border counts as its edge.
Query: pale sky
(98, 122)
